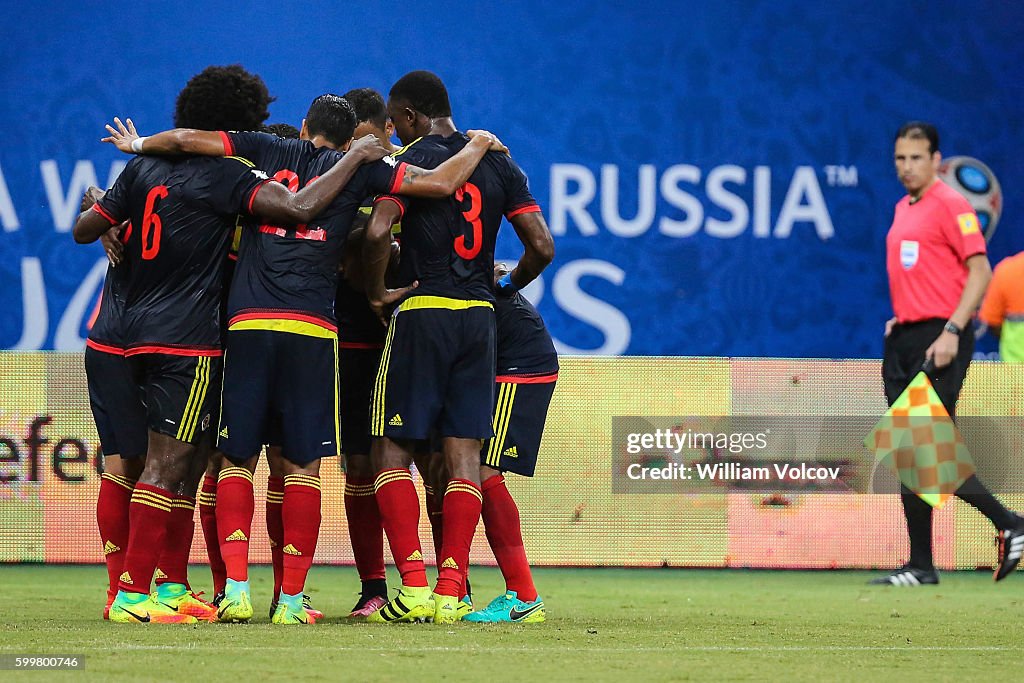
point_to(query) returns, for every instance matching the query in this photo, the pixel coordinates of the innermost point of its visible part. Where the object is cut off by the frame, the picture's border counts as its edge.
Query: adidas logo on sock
(159, 574)
(109, 547)
(126, 578)
(290, 550)
(224, 432)
(396, 421)
(511, 452)
(237, 535)
(416, 555)
(449, 564)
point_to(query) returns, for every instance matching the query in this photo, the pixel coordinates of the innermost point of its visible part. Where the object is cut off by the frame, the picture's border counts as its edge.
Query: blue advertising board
(718, 176)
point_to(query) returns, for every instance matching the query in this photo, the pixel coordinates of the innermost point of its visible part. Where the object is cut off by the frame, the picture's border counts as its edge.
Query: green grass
(603, 624)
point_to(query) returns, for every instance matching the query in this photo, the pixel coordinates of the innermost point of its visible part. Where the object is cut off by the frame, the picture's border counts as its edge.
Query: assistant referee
(938, 271)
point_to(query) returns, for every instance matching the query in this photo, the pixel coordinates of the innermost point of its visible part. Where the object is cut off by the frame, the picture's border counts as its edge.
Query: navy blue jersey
(182, 212)
(357, 323)
(448, 244)
(107, 330)
(524, 344)
(291, 272)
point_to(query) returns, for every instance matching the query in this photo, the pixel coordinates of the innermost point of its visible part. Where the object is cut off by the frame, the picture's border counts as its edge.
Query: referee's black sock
(974, 493)
(919, 528)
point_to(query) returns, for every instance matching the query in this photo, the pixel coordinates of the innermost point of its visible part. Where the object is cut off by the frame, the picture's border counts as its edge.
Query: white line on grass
(532, 649)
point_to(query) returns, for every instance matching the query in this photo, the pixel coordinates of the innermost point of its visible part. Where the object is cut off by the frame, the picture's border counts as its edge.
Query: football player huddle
(342, 295)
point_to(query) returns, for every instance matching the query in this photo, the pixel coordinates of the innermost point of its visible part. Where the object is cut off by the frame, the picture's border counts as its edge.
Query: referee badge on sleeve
(968, 223)
(909, 251)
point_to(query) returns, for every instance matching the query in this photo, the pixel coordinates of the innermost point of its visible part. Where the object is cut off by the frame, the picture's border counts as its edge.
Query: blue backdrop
(718, 177)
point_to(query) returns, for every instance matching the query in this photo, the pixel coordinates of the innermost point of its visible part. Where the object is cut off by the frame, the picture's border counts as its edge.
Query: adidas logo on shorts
(223, 433)
(396, 421)
(511, 453)
(237, 535)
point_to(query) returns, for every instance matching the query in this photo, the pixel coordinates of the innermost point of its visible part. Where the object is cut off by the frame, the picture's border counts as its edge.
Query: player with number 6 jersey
(185, 210)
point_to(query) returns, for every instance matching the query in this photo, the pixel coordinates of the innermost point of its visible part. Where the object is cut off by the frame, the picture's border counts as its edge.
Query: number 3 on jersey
(472, 216)
(152, 226)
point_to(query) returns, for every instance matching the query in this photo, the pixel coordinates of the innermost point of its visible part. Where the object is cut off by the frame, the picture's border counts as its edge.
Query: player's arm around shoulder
(90, 225)
(168, 142)
(452, 174)
(102, 211)
(275, 202)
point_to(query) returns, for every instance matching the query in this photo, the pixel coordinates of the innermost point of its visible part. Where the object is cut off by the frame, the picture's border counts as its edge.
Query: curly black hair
(369, 106)
(282, 130)
(424, 92)
(223, 98)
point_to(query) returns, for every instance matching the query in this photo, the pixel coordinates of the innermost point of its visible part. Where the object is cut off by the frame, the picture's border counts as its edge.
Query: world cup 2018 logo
(975, 181)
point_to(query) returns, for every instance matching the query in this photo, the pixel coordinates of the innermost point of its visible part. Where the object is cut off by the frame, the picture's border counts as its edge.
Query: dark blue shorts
(437, 371)
(180, 392)
(117, 404)
(520, 411)
(357, 371)
(280, 388)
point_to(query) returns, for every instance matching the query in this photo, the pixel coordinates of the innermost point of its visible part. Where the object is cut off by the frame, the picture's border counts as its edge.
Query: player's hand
(943, 350)
(501, 287)
(123, 136)
(92, 195)
(390, 298)
(369, 148)
(111, 241)
(889, 325)
(496, 144)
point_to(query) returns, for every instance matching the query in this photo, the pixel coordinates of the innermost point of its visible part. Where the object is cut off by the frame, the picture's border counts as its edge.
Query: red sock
(181, 527)
(400, 515)
(275, 529)
(364, 528)
(208, 518)
(501, 522)
(235, 507)
(435, 514)
(112, 519)
(462, 503)
(301, 515)
(147, 518)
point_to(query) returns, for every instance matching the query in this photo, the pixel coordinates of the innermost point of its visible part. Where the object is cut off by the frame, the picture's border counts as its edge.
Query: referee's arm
(979, 273)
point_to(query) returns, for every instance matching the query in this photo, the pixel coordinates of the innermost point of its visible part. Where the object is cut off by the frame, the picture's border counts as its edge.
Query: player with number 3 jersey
(437, 370)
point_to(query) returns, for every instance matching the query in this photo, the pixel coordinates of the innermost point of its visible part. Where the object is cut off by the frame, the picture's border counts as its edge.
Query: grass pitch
(603, 624)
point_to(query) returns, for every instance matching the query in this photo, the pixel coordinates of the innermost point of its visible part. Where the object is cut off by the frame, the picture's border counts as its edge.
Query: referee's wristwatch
(952, 328)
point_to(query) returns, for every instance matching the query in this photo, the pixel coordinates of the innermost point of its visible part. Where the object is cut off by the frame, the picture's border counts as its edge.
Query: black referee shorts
(904, 355)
